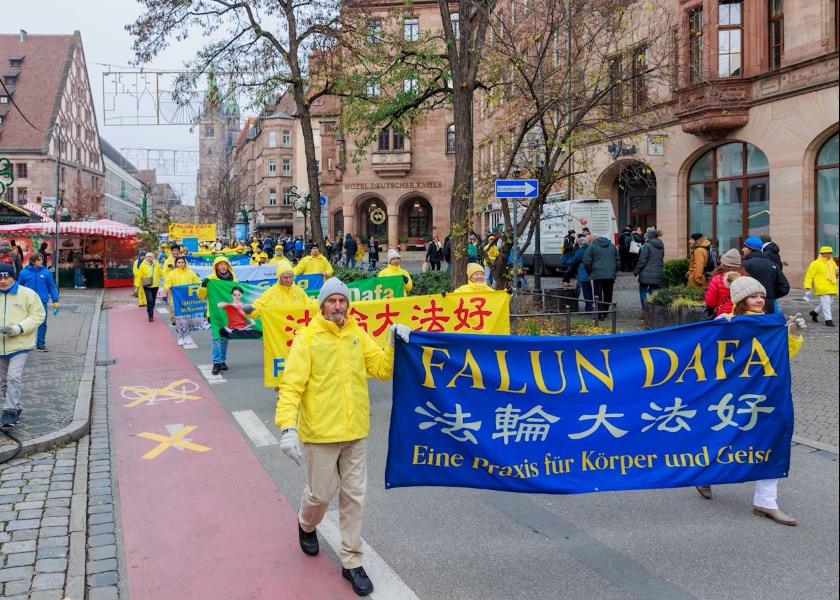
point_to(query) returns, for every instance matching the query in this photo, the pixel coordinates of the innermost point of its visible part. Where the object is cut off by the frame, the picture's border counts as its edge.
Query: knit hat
(283, 266)
(392, 253)
(731, 258)
(696, 236)
(331, 286)
(753, 242)
(473, 268)
(826, 250)
(744, 287)
(650, 233)
(7, 268)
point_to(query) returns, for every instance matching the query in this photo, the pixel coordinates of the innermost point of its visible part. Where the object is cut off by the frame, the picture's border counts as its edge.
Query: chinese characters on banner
(456, 313)
(205, 232)
(704, 403)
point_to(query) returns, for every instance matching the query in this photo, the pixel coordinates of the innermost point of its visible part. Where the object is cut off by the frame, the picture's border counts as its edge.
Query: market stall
(107, 248)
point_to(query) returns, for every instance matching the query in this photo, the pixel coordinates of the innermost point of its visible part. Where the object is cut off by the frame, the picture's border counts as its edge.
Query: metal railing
(551, 304)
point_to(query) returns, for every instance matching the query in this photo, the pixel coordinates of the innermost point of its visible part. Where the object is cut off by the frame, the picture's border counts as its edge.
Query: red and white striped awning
(38, 210)
(102, 227)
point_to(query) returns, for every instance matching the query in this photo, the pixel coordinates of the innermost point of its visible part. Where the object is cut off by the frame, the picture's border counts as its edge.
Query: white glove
(807, 296)
(796, 325)
(398, 329)
(13, 330)
(247, 308)
(4, 328)
(725, 316)
(290, 444)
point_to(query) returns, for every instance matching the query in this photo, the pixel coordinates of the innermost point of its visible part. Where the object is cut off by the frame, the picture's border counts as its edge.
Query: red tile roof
(42, 72)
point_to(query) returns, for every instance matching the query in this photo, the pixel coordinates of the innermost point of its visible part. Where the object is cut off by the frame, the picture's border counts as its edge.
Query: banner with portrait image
(456, 313)
(705, 403)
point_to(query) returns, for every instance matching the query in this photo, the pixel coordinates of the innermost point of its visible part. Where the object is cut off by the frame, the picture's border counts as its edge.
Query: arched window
(828, 194)
(729, 195)
(450, 139)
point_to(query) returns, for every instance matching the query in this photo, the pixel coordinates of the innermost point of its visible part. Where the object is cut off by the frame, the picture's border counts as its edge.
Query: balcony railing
(391, 164)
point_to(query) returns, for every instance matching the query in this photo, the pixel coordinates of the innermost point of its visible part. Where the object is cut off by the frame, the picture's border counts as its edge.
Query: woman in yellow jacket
(360, 252)
(822, 276)
(285, 293)
(148, 277)
(394, 269)
(748, 298)
(221, 270)
(181, 275)
(141, 297)
(475, 280)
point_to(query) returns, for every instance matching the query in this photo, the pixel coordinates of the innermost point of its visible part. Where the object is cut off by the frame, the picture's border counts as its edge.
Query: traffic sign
(516, 188)
(323, 200)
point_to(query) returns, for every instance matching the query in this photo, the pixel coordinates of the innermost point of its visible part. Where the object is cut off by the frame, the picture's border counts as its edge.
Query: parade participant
(314, 263)
(323, 402)
(285, 293)
(181, 275)
(278, 254)
(393, 269)
(822, 276)
(699, 247)
(475, 280)
(21, 313)
(748, 298)
(360, 251)
(141, 296)
(149, 278)
(259, 258)
(222, 271)
(717, 296)
(37, 277)
(168, 267)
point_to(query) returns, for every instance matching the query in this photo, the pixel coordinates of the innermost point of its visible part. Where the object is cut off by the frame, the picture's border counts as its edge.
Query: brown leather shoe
(705, 491)
(775, 514)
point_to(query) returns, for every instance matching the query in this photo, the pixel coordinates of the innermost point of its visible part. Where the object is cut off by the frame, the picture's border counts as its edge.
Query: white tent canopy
(102, 227)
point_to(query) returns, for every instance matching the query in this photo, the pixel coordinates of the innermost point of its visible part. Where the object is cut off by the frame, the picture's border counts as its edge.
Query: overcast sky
(107, 47)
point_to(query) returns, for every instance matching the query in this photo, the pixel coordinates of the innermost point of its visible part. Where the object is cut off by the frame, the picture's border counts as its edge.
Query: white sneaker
(181, 341)
(188, 340)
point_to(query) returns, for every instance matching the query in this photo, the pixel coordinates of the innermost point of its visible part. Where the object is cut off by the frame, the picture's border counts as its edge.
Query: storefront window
(828, 194)
(729, 195)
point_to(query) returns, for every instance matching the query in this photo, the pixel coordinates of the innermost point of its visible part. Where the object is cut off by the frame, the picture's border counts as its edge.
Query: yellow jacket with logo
(392, 271)
(310, 265)
(280, 295)
(324, 391)
(821, 274)
(148, 270)
(21, 307)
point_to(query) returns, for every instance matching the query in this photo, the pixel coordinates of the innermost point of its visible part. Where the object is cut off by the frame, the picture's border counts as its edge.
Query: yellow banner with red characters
(205, 232)
(455, 313)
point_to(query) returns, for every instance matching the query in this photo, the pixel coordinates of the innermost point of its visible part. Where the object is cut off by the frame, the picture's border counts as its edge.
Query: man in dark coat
(765, 271)
(602, 262)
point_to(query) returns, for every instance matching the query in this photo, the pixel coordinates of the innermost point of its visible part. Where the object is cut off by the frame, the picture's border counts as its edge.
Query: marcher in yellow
(394, 269)
(285, 292)
(314, 263)
(822, 276)
(221, 270)
(141, 296)
(181, 275)
(324, 396)
(475, 280)
(278, 254)
(149, 277)
(259, 258)
(168, 266)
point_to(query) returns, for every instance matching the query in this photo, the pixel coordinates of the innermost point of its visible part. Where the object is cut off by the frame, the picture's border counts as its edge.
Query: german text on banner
(697, 404)
(205, 232)
(458, 313)
(206, 260)
(186, 302)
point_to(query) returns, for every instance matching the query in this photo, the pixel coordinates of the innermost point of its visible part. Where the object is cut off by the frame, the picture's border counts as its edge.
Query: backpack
(6, 258)
(712, 260)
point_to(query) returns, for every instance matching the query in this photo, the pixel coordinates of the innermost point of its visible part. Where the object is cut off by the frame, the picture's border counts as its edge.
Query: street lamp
(243, 220)
(302, 205)
(57, 213)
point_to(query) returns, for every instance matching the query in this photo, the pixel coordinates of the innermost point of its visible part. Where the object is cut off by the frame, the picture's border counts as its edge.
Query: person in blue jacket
(37, 277)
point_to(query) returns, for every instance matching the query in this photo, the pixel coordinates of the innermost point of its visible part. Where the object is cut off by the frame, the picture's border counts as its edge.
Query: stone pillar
(393, 227)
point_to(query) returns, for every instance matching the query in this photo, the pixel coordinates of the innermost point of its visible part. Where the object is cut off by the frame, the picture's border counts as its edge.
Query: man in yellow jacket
(324, 395)
(149, 277)
(394, 269)
(21, 313)
(822, 275)
(314, 263)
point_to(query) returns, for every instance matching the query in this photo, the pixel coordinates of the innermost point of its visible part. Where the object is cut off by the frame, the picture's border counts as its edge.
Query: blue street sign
(516, 188)
(323, 200)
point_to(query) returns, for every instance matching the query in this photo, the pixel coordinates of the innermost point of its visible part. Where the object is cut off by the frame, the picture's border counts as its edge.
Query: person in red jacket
(717, 294)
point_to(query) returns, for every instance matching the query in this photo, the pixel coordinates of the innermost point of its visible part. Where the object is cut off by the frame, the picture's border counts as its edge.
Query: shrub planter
(658, 315)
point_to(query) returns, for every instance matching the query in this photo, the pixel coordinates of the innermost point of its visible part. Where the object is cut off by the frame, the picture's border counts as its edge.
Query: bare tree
(84, 202)
(224, 196)
(261, 46)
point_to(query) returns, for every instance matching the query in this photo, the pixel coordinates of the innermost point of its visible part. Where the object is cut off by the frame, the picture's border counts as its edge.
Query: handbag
(635, 247)
(146, 282)
(425, 266)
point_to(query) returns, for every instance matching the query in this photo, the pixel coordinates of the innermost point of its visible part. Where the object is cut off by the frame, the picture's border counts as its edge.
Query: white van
(558, 217)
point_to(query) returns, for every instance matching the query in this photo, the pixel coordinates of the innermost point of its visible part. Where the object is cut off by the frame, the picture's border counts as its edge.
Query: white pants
(765, 493)
(824, 307)
(11, 373)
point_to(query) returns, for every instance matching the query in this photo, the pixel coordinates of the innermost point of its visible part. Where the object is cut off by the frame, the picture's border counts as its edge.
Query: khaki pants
(338, 466)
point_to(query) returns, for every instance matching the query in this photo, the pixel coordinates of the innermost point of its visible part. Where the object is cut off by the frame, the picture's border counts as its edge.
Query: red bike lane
(201, 518)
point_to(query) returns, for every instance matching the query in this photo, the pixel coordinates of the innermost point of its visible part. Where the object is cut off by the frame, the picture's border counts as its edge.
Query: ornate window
(828, 194)
(776, 38)
(695, 45)
(730, 38)
(729, 195)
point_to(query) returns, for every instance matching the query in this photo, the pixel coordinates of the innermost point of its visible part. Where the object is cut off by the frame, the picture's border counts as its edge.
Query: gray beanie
(331, 286)
(650, 233)
(744, 287)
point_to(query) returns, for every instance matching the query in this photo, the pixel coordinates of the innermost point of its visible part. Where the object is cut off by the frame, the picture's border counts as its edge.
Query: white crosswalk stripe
(254, 428)
(207, 371)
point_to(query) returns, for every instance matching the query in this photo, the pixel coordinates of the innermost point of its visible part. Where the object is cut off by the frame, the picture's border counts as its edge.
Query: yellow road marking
(148, 393)
(175, 440)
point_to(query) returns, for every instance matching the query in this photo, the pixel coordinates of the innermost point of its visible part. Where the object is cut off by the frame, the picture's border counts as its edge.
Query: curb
(80, 425)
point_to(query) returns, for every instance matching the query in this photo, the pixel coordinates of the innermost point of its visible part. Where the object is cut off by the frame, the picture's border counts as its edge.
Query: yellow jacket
(311, 265)
(22, 307)
(280, 295)
(392, 271)
(794, 343)
(179, 277)
(152, 270)
(819, 276)
(202, 291)
(324, 391)
(475, 288)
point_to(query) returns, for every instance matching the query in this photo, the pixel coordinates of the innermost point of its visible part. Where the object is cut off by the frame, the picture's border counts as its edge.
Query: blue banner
(704, 403)
(186, 302)
(207, 261)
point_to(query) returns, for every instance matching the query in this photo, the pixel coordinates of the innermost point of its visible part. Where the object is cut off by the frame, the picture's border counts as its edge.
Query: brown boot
(775, 514)
(705, 491)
